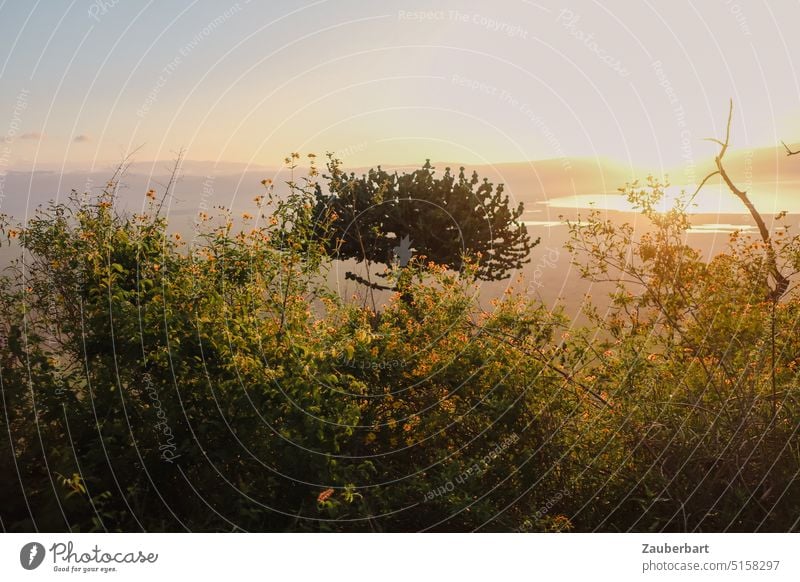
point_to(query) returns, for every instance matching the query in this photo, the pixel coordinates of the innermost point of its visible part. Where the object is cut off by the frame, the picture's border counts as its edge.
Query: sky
(245, 83)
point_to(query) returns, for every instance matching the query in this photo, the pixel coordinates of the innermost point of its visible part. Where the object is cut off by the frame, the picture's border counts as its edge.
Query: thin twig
(173, 179)
(703, 183)
(790, 152)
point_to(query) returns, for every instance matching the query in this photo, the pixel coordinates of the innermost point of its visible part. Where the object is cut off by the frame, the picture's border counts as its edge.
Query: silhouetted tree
(386, 218)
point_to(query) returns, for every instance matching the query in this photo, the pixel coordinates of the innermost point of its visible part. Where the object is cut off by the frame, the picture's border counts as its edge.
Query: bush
(153, 383)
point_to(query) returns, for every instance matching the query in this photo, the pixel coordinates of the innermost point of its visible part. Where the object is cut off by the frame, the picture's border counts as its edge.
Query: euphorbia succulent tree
(386, 218)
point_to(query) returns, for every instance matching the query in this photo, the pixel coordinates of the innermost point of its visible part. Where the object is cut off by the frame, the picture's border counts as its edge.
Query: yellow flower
(561, 523)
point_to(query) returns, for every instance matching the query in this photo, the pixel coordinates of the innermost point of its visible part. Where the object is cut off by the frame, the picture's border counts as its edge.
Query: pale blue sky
(394, 82)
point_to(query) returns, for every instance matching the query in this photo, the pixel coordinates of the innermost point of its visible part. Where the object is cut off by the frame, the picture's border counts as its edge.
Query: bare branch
(173, 179)
(780, 281)
(121, 169)
(703, 183)
(728, 130)
(790, 152)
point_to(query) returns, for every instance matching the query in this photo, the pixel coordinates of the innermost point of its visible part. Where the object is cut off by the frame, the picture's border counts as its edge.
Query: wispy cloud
(33, 135)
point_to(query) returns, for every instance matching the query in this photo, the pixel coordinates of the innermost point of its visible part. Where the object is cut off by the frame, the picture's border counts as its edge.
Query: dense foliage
(155, 383)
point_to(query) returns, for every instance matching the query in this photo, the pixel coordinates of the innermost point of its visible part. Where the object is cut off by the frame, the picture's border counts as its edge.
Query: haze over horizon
(772, 179)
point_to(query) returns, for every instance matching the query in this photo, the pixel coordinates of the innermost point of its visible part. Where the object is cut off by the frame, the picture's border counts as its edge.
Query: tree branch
(790, 152)
(781, 282)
